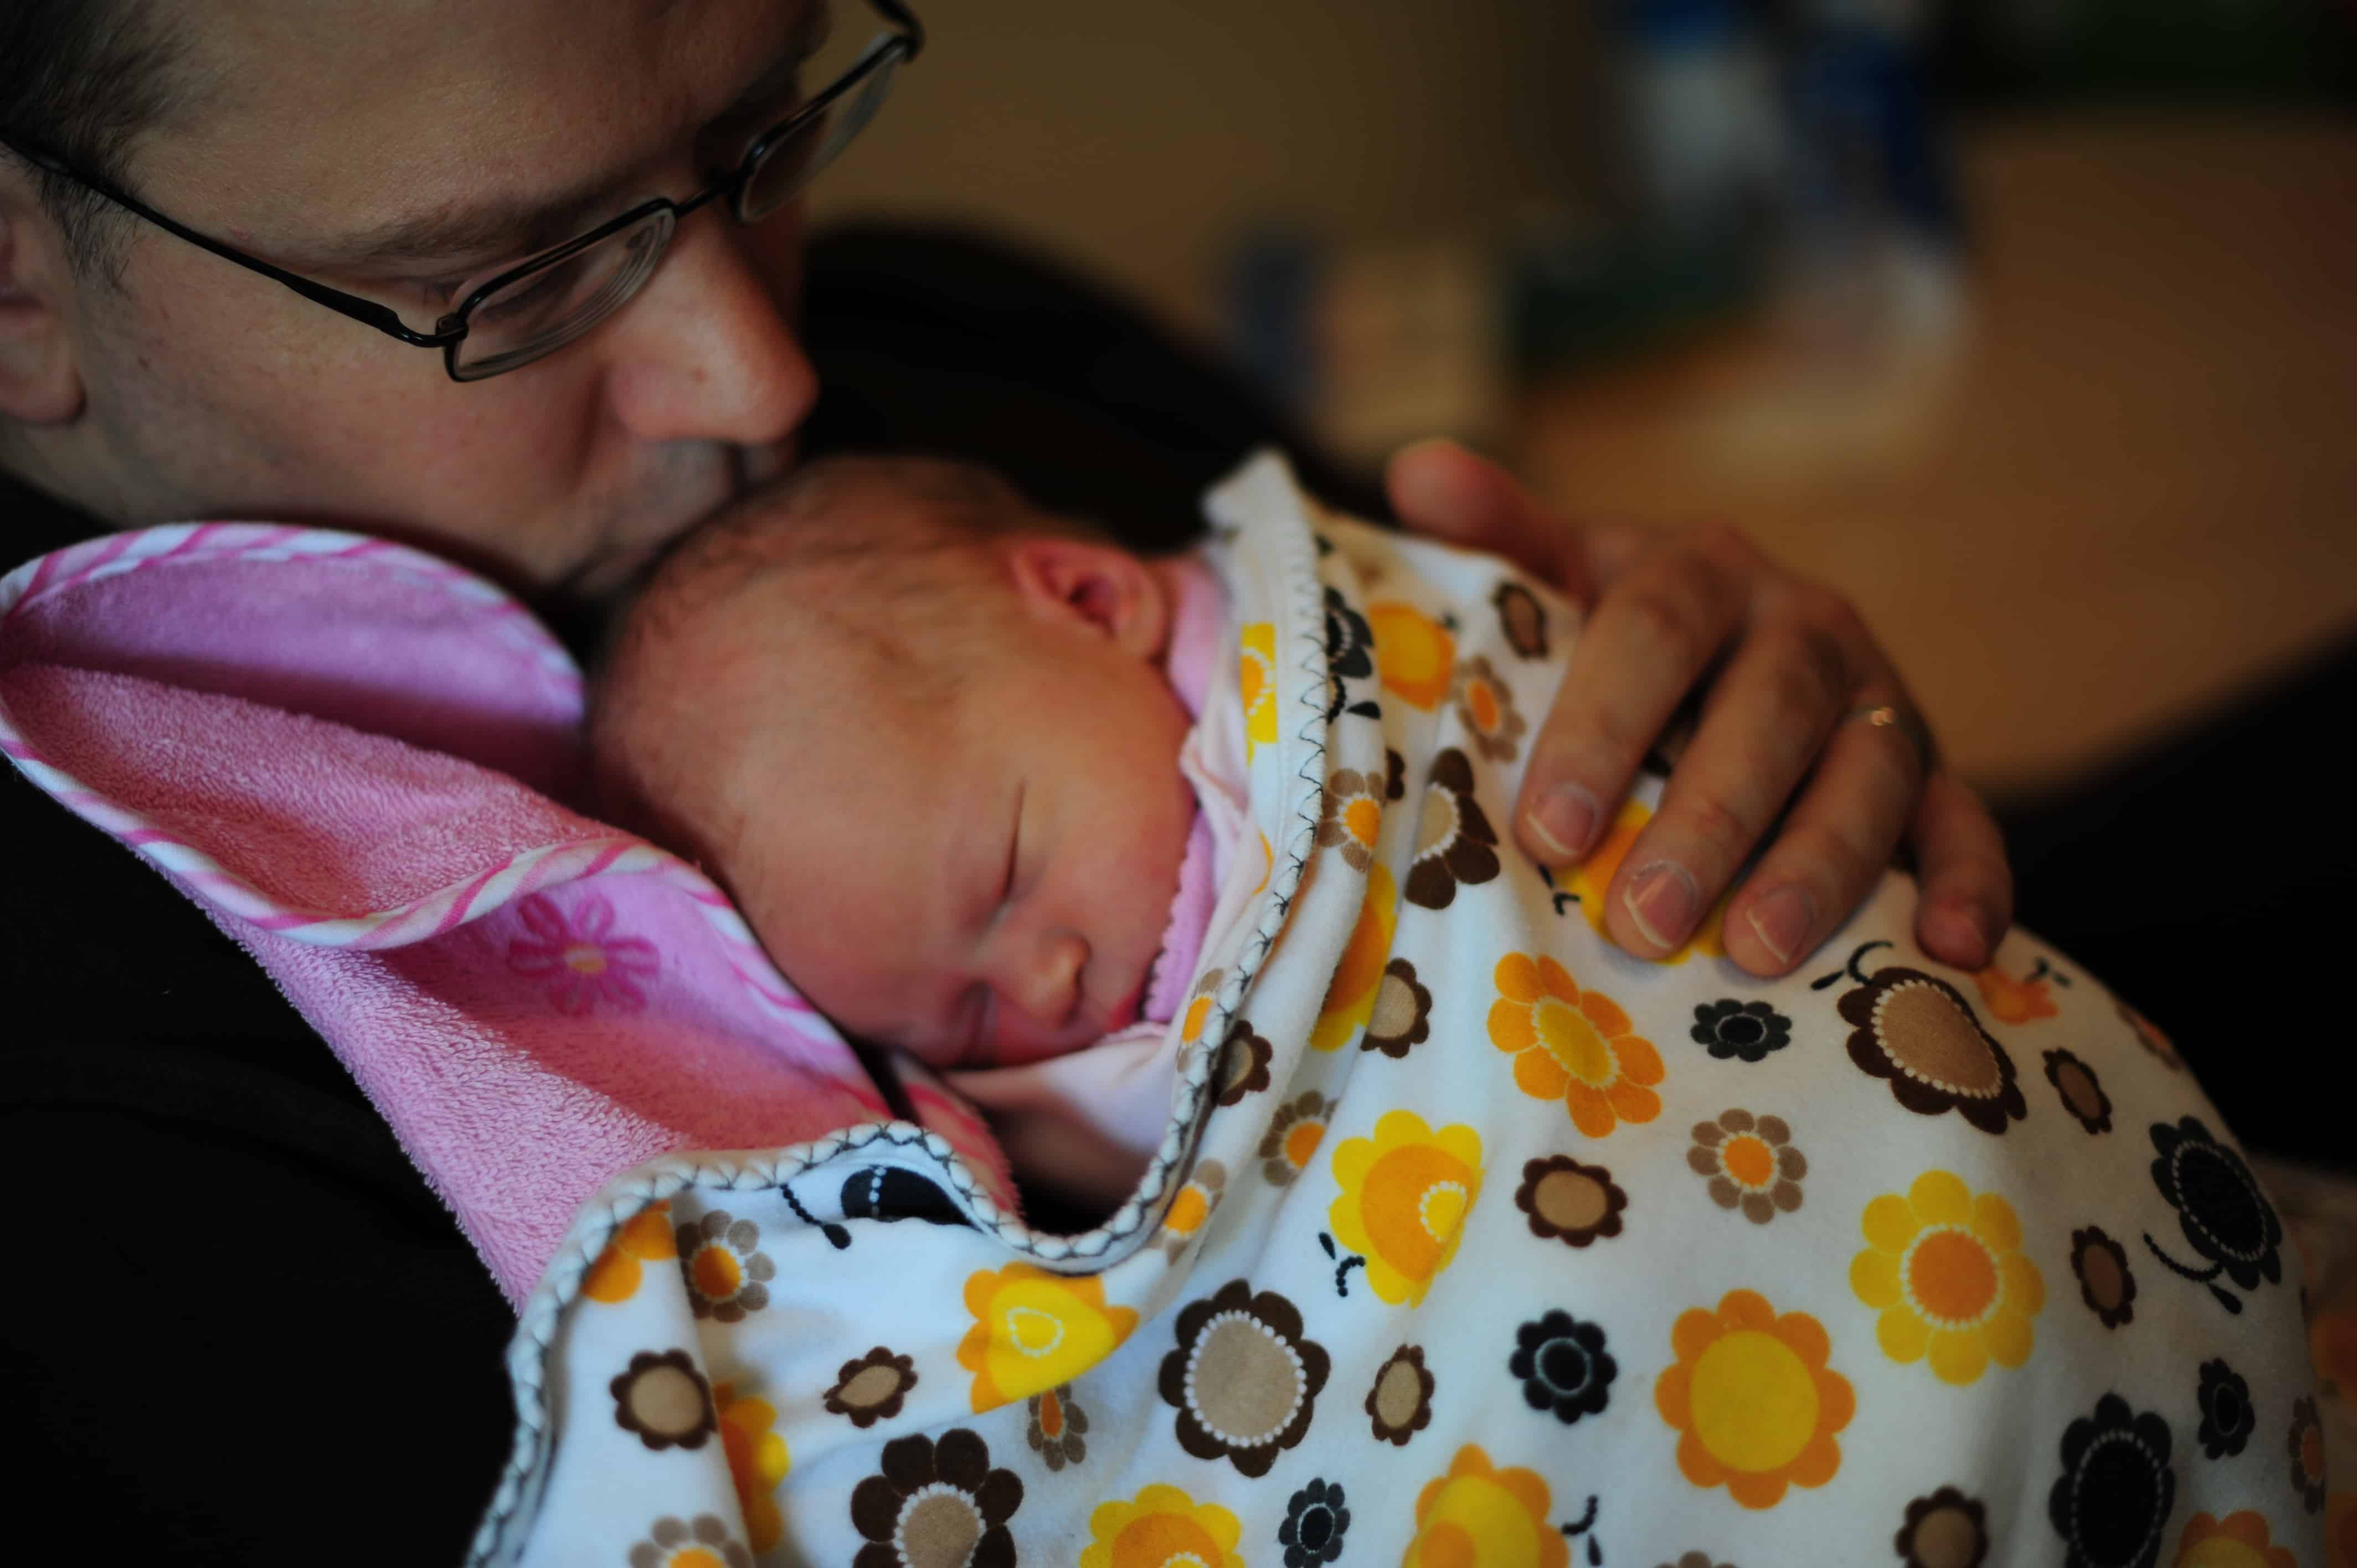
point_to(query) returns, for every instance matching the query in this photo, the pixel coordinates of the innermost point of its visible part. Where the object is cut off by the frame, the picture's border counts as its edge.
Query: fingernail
(1783, 920)
(1664, 901)
(1564, 821)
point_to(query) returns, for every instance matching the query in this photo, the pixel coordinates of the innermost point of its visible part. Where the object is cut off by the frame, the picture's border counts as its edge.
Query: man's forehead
(327, 123)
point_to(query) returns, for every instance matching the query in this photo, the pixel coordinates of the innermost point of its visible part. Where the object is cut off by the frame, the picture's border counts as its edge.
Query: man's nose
(706, 352)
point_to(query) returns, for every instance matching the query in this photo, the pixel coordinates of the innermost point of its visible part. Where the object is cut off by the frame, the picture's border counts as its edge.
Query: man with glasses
(438, 271)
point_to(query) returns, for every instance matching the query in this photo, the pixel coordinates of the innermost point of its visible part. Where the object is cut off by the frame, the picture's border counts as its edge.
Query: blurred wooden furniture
(2126, 490)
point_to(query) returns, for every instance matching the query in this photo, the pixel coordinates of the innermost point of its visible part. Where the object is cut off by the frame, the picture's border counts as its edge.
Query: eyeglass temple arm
(366, 311)
(910, 27)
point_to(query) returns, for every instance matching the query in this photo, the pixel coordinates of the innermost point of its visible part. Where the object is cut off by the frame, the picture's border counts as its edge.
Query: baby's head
(920, 730)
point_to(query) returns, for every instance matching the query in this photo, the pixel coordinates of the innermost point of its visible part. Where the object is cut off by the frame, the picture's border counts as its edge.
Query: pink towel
(346, 752)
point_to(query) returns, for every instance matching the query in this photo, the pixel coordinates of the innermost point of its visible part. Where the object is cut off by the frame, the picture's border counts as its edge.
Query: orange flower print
(1190, 1207)
(1592, 878)
(1405, 1194)
(1256, 672)
(1351, 815)
(1197, 1014)
(1946, 1270)
(1414, 653)
(758, 1461)
(2017, 1001)
(585, 963)
(2238, 1541)
(645, 1238)
(1574, 1046)
(1033, 1330)
(1479, 1516)
(1163, 1528)
(2332, 1345)
(1755, 1405)
(1486, 708)
(1359, 978)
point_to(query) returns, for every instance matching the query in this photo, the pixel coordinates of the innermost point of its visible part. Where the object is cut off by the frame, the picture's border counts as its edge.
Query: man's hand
(1792, 676)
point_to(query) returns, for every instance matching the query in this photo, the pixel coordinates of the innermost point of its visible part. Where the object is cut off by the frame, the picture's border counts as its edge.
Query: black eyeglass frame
(901, 45)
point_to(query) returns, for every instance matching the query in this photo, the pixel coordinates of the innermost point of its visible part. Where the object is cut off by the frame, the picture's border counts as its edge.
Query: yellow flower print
(1755, 1406)
(1190, 1207)
(1479, 1516)
(758, 1461)
(1256, 669)
(1198, 1011)
(2017, 1001)
(1359, 978)
(2238, 1541)
(1414, 653)
(1572, 1046)
(645, 1237)
(1946, 1270)
(1033, 1329)
(1405, 1194)
(1162, 1528)
(1593, 879)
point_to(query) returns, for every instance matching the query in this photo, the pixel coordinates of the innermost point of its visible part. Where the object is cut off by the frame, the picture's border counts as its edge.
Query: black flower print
(2082, 1093)
(1946, 1529)
(1350, 815)
(1746, 1031)
(1918, 1032)
(1394, 775)
(1695, 1559)
(701, 1543)
(1315, 1523)
(1563, 1367)
(2227, 1418)
(2112, 1500)
(1570, 1202)
(936, 1506)
(727, 1276)
(2220, 1209)
(1522, 618)
(665, 1401)
(1244, 1378)
(1349, 656)
(1243, 1063)
(1454, 841)
(2307, 1452)
(1399, 1402)
(871, 1388)
(1402, 1012)
(889, 1193)
(1057, 1427)
(2104, 1283)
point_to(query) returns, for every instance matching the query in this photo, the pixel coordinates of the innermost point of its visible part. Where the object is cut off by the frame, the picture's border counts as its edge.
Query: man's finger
(1643, 649)
(1832, 850)
(1967, 886)
(1438, 487)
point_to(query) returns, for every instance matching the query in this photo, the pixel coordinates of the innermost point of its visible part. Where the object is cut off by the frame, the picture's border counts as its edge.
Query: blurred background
(2031, 325)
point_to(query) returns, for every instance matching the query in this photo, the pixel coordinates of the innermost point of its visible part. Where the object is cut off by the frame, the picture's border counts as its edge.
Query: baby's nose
(1047, 987)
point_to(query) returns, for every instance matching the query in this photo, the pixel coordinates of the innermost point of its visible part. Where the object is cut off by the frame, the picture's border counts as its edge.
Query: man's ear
(1097, 586)
(39, 381)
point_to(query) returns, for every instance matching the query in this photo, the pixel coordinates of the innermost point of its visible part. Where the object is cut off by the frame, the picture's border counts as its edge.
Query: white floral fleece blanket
(1472, 1242)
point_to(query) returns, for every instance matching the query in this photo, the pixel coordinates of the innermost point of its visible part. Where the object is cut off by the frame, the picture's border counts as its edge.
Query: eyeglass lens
(544, 310)
(796, 161)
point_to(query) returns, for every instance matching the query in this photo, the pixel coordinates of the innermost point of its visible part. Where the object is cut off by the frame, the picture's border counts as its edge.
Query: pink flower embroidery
(585, 963)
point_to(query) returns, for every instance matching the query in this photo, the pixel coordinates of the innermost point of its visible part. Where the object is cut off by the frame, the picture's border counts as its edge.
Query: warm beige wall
(1134, 136)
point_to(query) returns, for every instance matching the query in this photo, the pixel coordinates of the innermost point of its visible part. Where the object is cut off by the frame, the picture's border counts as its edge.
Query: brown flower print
(725, 1276)
(703, 1542)
(1750, 1162)
(665, 1401)
(2106, 1285)
(936, 1506)
(1522, 618)
(1244, 1378)
(1920, 1034)
(1570, 1202)
(871, 1388)
(1294, 1134)
(1192, 1208)
(1350, 816)
(1394, 775)
(2151, 1038)
(1057, 1428)
(1485, 706)
(1402, 1014)
(2307, 1444)
(2082, 1093)
(1454, 841)
(1399, 1402)
(1696, 1560)
(1243, 1063)
(1946, 1529)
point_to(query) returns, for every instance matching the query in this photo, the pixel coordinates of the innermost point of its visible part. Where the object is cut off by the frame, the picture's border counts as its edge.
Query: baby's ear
(1102, 586)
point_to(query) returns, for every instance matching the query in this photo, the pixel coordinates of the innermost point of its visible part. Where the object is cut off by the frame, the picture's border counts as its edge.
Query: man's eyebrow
(509, 228)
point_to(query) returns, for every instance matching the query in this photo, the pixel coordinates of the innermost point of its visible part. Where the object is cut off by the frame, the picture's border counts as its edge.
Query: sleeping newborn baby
(941, 748)
(1442, 1230)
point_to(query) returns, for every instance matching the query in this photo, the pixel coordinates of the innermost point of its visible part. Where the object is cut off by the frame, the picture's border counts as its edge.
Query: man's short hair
(84, 80)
